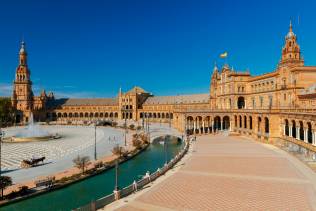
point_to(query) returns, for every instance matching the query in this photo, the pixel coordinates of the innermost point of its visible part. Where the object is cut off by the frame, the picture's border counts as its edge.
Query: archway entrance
(226, 123)
(217, 123)
(286, 127)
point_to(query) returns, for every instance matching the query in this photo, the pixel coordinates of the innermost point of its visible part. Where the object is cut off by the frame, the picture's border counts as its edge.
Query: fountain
(32, 132)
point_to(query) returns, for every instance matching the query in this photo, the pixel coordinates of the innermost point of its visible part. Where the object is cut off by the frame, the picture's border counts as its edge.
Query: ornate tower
(213, 85)
(291, 53)
(22, 97)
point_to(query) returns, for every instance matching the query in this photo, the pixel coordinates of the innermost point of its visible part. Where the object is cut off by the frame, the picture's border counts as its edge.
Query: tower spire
(23, 54)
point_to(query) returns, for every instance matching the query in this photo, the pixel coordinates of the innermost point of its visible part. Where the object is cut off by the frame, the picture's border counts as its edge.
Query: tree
(119, 151)
(81, 162)
(5, 181)
(137, 143)
(6, 112)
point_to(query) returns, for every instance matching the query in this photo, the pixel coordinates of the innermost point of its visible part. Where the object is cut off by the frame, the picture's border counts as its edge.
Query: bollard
(135, 186)
(159, 171)
(148, 176)
(117, 194)
(92, 206)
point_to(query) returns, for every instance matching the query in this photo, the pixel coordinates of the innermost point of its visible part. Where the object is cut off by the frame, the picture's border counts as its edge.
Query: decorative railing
(134, 187)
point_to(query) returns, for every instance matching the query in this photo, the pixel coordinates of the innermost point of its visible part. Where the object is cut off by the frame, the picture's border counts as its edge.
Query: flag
(223, 55)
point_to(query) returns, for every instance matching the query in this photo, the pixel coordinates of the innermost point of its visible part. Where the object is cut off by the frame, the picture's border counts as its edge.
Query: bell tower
(22, 96)
(291, 53)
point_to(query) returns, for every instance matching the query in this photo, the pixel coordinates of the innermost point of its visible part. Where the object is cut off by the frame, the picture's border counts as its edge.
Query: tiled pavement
(231, 173)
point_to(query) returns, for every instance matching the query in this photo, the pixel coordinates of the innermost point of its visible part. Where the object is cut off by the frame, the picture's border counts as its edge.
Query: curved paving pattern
(230, 173)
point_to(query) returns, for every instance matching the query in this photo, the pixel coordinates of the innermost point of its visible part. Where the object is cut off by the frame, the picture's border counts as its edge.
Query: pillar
(194, 125)
(283, 129)
(297, 133)
(305, 135)
(231, 125)
(222, 125)
(314, 138)
(290, 131)
(203, 124)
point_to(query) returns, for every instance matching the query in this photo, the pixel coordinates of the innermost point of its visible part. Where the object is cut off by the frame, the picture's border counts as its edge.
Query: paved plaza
(229, 173)
(59, 153)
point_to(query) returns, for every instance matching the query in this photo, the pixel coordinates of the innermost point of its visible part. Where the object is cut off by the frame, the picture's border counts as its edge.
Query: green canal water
(98, 186)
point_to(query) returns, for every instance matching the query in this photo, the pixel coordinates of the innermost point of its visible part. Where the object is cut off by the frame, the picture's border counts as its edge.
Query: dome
(22, 49)
(290, 34)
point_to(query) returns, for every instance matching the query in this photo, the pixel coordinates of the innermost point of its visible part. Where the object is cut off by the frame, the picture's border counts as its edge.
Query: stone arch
(266, 125)
(245, 122)
(309, 133)
(189, 125)
(240, 121)
(217, 123)
(198, 126)
(301, 130)
(226, 123)
(286, 127)
(86, 114)
(259, 124)
(294, 129)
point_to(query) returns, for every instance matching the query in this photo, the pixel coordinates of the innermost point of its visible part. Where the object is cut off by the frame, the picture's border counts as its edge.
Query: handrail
(102, 202)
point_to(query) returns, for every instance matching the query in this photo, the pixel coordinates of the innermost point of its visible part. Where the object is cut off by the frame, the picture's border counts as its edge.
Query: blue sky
(91, 48)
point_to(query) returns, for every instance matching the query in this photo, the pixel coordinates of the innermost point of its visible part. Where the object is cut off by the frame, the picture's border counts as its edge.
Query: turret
(291, 53)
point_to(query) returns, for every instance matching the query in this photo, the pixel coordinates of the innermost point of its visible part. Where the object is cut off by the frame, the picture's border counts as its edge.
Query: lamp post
(95, 141)
(1, 135)
(165, 149)
(125, 128)
(116, 188)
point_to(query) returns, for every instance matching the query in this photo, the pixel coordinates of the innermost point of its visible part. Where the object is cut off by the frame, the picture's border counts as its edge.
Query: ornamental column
(194, 125)
(283, 129)
(290, 130)
(222, 125)
(212, 125)
(203, 124)
(305, 135)
(297, 133)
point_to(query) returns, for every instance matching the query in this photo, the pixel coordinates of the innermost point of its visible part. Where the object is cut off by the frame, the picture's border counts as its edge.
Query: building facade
(278, 104)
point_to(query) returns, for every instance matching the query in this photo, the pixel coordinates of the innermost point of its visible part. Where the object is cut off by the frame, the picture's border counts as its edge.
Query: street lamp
(95, 141)
(165, 149)
(125, 129)
(116, 188)
(1, 136)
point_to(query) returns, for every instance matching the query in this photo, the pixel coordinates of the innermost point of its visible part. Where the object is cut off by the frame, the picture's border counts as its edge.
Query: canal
(84, 192)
